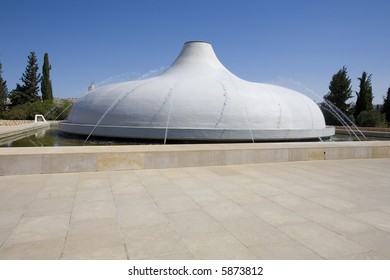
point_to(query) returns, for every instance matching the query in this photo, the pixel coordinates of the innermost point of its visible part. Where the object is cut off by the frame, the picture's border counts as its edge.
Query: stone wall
(14, 161)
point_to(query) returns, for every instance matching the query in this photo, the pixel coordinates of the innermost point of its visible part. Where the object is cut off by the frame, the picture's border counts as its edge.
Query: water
(344, 120)
(169, 114)
(52, 137)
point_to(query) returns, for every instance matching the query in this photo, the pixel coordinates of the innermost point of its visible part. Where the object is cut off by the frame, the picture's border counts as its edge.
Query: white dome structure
(197, 98)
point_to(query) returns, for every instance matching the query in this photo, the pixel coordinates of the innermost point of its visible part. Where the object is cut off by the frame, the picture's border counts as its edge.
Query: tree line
(362, 112)
(24, 101)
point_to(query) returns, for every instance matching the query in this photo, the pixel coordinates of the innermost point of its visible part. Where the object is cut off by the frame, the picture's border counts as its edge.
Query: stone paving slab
(290, 210)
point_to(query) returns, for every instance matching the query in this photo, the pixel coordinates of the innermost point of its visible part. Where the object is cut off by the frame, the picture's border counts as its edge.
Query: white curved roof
(197, 98)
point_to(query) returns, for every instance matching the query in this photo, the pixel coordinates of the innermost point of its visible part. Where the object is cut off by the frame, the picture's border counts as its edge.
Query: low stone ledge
(14, 122)
(11, 131)
(35, 160)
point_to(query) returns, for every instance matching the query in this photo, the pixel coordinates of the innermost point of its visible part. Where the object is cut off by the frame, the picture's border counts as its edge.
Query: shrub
(58, 110)
(370, 118)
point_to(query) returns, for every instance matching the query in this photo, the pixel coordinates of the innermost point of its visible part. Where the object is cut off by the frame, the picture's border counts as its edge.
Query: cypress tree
(3, 92)
(31, 79)
(386, 106)
(46, 88)
(364, 96)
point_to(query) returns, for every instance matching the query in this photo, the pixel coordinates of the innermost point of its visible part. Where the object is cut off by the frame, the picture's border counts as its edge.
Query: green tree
(386, 106)
(18, 96)
(31, 79)
(3, 92)
(340, 91)
(364, 96)
(46, 88)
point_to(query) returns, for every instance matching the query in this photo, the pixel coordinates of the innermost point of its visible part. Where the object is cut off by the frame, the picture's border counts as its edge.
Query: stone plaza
(311, 209)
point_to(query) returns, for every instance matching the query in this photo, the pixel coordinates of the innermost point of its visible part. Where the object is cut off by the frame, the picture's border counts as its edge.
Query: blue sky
(298, 44)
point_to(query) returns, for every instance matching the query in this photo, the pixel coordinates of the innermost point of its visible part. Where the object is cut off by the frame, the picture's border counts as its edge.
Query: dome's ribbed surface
(197, 98)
